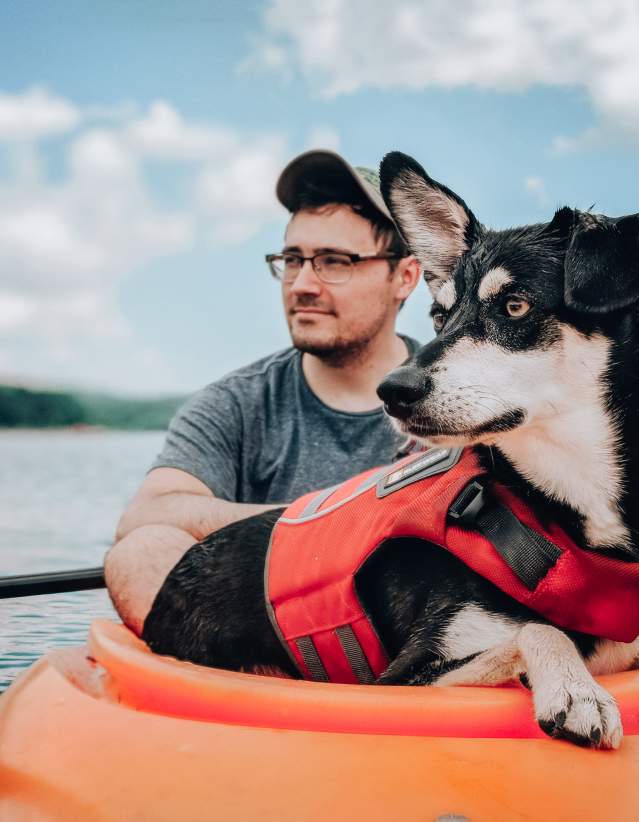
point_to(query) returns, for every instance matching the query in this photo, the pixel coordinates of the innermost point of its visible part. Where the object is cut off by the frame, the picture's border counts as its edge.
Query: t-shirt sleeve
(204, 439)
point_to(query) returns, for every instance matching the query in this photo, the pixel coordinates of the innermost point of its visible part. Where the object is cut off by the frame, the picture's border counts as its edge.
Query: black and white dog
(535, 365)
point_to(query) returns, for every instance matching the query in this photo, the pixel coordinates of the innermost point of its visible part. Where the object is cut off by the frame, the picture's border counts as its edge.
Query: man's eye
(334, 261)
(517, 307)
(291, 260)
(439, 320)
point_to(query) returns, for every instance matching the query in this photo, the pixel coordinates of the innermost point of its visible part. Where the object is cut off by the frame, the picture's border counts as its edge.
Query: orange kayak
(113, 732)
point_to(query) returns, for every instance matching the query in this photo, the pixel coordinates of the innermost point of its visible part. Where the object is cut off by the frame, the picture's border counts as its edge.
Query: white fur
(446, 294)
(433, 223)
(610, 657)
(473, 629)
(568, 446)
(561, 684)
(492, 282)
(574, 454)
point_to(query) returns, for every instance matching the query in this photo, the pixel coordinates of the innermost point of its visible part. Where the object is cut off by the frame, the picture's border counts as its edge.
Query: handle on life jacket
(527, 553)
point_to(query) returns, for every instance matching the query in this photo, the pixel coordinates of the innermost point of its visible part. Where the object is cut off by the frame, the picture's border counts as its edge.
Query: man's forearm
(137, 565)
(195, 514)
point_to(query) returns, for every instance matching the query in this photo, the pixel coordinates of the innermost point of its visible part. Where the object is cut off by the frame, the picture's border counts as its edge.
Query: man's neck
(350, 383)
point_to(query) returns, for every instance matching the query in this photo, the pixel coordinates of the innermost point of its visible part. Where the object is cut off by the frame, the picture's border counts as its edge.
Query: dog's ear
(562, 224)
(602, 263)
(436, 224)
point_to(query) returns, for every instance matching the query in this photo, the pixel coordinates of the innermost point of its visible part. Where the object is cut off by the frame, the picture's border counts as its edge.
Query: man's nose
(402, 389)
(306, 280)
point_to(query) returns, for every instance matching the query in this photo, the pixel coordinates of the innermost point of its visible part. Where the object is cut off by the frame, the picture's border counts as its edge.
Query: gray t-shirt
(261, 435)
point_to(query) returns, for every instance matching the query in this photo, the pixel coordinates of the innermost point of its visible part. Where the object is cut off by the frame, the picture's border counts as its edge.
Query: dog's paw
(581, 712)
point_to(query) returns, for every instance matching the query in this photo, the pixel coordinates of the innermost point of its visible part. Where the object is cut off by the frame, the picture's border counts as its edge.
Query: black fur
(410, 589)
(598, 245)
(578, 270)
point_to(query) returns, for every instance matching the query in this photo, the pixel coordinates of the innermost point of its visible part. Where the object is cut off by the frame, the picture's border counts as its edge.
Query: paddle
(55, 582)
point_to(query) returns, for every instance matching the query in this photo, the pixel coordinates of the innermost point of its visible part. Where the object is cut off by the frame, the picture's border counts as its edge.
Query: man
(304, 418)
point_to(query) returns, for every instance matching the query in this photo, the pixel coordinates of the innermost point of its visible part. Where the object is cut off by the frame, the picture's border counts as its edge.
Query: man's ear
(409, 271)
(436, 224)
(602, 263)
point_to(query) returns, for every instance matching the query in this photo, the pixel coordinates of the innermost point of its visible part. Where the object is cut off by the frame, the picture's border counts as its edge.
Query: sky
(140, 143)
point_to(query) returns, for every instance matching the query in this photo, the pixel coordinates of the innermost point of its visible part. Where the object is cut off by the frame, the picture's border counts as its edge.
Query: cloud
(163, 132)
(68, 241)
(91, 228)
(36, 114)
(237, 195)
(235, 190)
(16, 311)
(502, 45)
(127, 364)
(323, 137)
(66, 245)
(235, 173)
(537, 187)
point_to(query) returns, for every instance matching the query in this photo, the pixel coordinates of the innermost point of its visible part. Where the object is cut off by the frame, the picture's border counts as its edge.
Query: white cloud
(66, 245)
(537, 187)
(68, 241)
(16, 311)
(504, 45)
(234, 176)
(117, 113)
(324, 137)
(237, 196)
(89, 230)
(126, 364)
(163, 132)
(101, 154)
(36, 114)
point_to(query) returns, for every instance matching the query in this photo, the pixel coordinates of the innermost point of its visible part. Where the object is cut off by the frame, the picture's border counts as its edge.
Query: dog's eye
(439, 319)
(517, 307)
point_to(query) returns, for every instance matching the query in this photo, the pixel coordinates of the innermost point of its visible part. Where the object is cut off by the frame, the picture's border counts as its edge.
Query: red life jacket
(323, 539)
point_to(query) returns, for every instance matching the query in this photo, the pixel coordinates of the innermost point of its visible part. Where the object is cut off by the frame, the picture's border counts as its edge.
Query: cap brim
(320, 163)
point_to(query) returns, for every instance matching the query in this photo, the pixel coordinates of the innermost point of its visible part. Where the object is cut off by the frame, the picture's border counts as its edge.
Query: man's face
(335, 319)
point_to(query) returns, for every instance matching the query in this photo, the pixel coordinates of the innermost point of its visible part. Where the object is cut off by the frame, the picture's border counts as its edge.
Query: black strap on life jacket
(529, 555)
(353, 652)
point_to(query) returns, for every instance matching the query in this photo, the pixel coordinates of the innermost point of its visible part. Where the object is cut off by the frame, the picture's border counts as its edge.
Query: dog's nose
(401, 389)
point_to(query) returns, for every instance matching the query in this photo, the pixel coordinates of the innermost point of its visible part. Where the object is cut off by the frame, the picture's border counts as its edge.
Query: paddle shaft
(55, 582)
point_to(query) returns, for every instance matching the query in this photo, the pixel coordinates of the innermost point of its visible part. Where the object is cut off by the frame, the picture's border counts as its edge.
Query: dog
(534, 367)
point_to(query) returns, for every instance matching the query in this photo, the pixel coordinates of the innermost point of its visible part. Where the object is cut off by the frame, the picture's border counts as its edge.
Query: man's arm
(171, 511)
(169, 496)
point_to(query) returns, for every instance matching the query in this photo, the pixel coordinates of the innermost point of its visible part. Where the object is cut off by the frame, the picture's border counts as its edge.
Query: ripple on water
(30, 627)
(61, 495)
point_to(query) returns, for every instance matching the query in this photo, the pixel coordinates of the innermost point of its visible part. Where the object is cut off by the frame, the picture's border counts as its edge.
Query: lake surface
(61, 494)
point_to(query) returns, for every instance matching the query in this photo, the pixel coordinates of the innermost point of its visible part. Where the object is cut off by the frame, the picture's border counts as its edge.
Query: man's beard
(338, 351)
(335, 353)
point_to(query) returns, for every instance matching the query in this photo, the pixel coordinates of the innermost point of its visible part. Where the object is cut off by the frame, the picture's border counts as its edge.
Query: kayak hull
(112, 732)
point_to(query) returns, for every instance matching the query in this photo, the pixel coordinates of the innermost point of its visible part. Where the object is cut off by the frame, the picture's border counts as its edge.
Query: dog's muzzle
(402, 389)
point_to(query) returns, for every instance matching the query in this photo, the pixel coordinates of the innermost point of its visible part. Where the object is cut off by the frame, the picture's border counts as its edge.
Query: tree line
(28, 408)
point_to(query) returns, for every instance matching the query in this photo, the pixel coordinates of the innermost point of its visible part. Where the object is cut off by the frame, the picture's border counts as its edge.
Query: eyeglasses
(330, 267)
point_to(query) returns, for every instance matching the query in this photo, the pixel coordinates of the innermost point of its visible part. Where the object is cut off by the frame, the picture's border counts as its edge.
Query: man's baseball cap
(333, 170)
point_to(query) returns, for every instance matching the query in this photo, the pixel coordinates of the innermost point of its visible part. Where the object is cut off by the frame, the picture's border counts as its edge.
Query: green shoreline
(22, 408)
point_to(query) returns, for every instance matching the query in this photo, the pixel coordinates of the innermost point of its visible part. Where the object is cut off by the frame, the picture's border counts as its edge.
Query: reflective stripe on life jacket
(324, 538)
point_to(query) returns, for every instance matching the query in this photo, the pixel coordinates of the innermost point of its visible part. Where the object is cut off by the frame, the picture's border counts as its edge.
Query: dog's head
(524, 317)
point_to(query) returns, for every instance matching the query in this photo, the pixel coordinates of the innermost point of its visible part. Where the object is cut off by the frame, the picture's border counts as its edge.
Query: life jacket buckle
(468, 505)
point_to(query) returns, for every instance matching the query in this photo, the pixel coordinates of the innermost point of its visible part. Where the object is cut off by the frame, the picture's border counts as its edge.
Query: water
(61, 493)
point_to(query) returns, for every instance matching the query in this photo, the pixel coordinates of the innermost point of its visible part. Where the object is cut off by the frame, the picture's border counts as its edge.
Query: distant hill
(27, 408)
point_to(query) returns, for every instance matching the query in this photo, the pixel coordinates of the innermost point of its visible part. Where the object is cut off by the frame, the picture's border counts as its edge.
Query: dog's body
(535, 367)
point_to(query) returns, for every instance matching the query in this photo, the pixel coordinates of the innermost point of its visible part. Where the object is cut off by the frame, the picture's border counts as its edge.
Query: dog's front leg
(568, 702)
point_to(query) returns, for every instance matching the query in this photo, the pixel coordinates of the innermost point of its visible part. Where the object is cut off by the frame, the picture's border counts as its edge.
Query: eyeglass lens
(328, 267)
